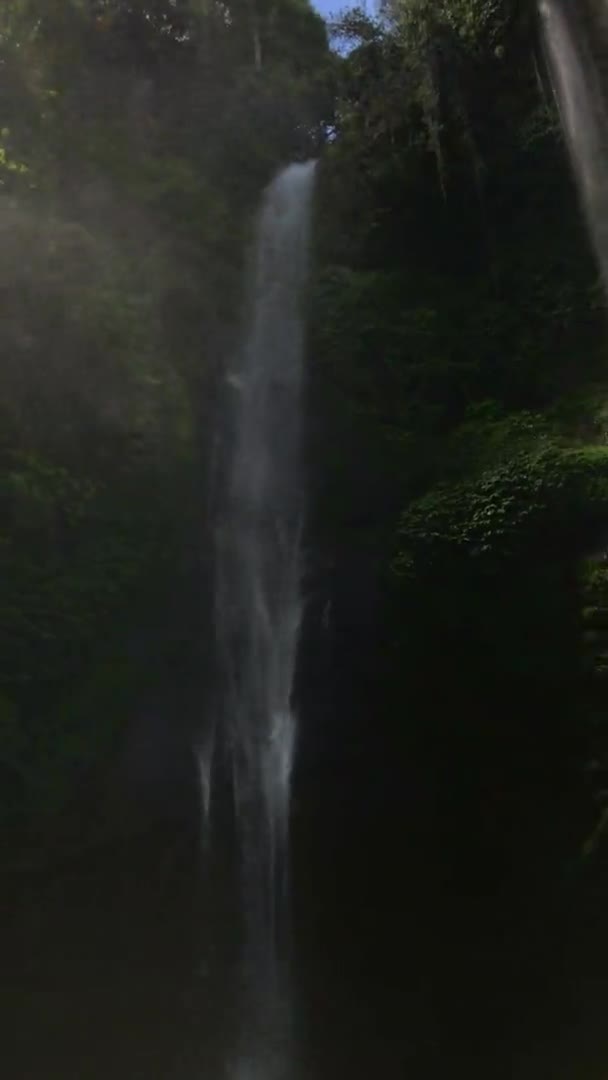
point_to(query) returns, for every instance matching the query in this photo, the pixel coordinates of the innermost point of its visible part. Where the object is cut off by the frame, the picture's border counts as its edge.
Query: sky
(334, 7)
(326, 7)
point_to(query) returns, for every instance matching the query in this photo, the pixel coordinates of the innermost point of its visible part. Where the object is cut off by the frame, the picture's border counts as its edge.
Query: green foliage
(51, 748)
(69, 555)
(135, 138)
(458, 356)
(445, 192)
(509, 511)
(71, 742)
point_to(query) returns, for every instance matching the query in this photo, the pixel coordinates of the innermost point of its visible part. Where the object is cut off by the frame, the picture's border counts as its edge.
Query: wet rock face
(154, 777)
(594, 623)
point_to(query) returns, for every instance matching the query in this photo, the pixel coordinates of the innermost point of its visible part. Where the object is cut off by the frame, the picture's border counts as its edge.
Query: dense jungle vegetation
(136, 139)
(457, 445)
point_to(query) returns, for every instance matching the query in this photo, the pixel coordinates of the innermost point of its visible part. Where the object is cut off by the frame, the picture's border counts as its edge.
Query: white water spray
(583, 112)
(259, 601)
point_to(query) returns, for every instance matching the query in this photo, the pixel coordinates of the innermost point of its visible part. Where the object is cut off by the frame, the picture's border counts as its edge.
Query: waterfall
(582, 106)
(259, 601)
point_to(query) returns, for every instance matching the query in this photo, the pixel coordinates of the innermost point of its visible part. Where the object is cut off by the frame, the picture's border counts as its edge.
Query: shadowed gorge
(303, 540)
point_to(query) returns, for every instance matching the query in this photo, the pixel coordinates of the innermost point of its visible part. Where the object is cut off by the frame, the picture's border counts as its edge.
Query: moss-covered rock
(547, 494)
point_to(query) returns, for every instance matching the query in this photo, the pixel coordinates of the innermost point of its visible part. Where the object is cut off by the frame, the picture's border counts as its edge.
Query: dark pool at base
(115, 965)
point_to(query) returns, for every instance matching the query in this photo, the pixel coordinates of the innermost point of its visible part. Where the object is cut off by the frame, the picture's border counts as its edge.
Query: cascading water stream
(259, 602)
(580, 95)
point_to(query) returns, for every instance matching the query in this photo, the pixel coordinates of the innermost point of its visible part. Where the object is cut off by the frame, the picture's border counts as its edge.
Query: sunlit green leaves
(508, 510)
